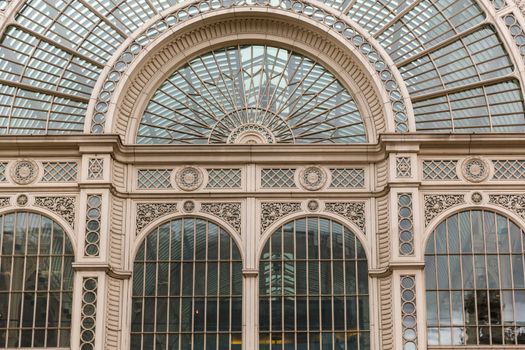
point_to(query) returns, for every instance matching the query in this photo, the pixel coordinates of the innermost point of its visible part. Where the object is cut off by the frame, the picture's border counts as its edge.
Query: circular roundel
(312, 178)
(24, 172)
(189, 178)
(475, 169)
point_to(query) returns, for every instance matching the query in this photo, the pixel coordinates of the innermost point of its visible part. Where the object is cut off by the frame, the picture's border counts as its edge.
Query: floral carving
(353, 211)
(22, 200)
(229, 212)
(24, 172)
(271, 212)
(189, 178)
(513, 202)
(63, 206)
(4, 201)
(312, 178)
(435, 204)
(475, 169)
(148, 212)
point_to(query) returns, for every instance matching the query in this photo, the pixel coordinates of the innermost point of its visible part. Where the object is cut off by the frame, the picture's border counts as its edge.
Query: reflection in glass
(187, 288)
(330, 261)
(36, 282)
(474, 281)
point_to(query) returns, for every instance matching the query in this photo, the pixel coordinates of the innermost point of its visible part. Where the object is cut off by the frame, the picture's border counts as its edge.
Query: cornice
(428, 144)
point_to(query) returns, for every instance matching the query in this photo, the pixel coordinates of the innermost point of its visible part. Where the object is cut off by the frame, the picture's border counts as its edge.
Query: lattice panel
(347, 178)
(403, 167)
(60, 171)
(96, 169)
(440, 170)
(278, 178)
(155, 178)
(3, 166)
(509, 169)
(224, 178)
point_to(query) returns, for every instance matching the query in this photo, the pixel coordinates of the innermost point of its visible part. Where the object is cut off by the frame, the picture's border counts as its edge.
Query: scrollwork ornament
(312, 178)
(437, 203)
(63, 206)
(189, 178)
(353, 211)
(475, 169)
(513, 202)
(5, 201)
(229, 212)
(148, 212)
(271, 212)
(24, 172)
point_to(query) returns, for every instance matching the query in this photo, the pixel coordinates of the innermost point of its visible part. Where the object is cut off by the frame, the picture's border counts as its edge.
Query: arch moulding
(156, 65)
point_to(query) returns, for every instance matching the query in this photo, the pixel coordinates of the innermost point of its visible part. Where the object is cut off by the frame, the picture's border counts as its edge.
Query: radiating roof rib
(58, 49)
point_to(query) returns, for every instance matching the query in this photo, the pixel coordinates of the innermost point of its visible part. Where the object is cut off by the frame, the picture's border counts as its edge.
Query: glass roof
(278, 94)
(447, 51)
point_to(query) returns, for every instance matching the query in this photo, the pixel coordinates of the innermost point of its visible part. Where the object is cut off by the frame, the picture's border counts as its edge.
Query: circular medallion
(22, 200)
(24, 172)
(475, 169)
(312, 178)
(188, 206)
(189, 178)
(312, 205)
(476, 197)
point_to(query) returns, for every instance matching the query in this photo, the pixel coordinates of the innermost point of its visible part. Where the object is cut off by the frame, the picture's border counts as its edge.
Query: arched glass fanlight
(251, 94)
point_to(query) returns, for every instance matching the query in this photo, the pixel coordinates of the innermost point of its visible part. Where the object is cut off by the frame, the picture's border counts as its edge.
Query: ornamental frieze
(271, 212)
(513, 202)
(148, 212)
(353, 211)
(63, 206)
(437, 203)
(229, 212)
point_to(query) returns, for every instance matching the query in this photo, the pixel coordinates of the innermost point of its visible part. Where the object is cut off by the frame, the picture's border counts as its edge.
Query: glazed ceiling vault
(459, 61)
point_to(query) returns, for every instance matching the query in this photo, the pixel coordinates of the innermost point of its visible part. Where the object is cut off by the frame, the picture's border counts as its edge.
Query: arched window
(475, 287)
(36, 282)
(313, 288)
(187, 288)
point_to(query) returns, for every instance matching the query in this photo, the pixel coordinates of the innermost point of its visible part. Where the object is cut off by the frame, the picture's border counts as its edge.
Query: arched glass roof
(458, 73)
(280, 95)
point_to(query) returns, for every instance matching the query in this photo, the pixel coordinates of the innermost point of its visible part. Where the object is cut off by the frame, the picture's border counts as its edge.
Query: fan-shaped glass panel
(36, 282)
(313, 288)
(475, 287)
(272, 94)
(187, 288)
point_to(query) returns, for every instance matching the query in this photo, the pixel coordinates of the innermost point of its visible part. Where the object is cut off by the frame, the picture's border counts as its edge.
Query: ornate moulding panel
(435, 204)
(368, 53)
(228, 212)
